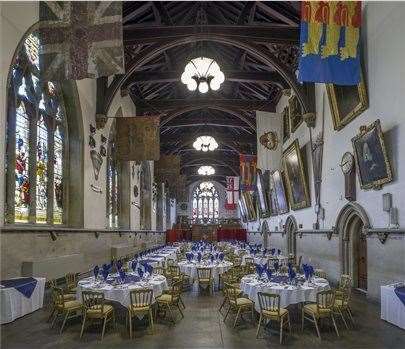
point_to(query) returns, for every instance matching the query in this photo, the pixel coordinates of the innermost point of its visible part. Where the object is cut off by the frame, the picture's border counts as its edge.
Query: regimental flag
(248, 165)
(269, 130)
(330, 33)
(232, 192)
(138, 138)
(80, 39)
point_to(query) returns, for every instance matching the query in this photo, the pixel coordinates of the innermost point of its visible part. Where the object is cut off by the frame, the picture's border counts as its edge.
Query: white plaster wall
(383, 52)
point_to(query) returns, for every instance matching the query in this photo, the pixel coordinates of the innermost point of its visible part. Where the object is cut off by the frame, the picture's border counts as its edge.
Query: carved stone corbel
(382, 236)
(101, 121)
(309, 119)
(96, 234)
(329, 234)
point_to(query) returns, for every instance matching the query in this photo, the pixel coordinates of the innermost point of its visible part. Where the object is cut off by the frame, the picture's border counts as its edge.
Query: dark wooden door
(362, 263)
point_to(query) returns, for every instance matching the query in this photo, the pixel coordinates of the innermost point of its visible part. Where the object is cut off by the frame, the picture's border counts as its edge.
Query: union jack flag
(80, 39)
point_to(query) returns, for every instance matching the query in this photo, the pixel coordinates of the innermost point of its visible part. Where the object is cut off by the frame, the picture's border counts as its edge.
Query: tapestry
(80, 39)
(248, 165)
(138, 138)
(329, 40)
(181, 189)
(167, 168)
(269, 130)
(232, 192)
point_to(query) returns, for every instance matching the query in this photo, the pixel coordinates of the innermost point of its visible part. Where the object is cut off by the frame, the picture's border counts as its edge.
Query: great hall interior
(202, 174)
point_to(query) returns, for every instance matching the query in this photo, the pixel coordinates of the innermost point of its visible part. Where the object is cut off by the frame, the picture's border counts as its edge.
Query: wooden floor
(203, 327)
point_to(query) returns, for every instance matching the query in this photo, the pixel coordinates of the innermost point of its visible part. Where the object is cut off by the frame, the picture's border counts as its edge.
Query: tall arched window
(36, 142)
(205, 205)
(112, 181)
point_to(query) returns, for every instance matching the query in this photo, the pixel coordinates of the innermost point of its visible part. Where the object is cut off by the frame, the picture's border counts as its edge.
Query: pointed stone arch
(290, 229)
(145, 187)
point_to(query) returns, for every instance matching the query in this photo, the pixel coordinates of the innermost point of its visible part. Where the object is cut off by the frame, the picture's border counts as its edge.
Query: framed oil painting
(295, 113)
(243, 211)
(373, 166)
(346, 102)
(279, 189)
(297, 187)
(261, 193)
(249, 204)
(286, 124)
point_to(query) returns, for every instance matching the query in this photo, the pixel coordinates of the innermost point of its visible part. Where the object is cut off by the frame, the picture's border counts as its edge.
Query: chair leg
(289, 323)
(178, 306)
(281, 330)
(226, 315)
(182, 303)
(350, 315)
(84, 321)
(302, 319)
(171, 313)
(334, 324)
(51, 315)
(343, 318)
(54, 319)
(222, 304)
(114, 322)
(151, 321)
(64, 322)
(102, 333)
(317, 328)
(236, 318)
(258, 326)
(130, 324)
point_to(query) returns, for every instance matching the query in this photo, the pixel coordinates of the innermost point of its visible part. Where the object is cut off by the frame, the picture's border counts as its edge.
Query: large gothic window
(205, 205)
(112, 182)
(36, 143)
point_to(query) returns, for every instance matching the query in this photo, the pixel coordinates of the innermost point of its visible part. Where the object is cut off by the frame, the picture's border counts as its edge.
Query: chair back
(325, 300)
(58, 297)
(70, 280)
(174, 270)
(158, 270)
(345, 281)
(176, 289)
(249, 260)
(204, 273)
(231, 292)
(141, 298)
(170, 262)
(237, 261)
(93, 301)
(269, 302)
(291, 259)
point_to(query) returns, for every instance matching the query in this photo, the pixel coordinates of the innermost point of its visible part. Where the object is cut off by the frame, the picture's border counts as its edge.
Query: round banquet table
(120, 292)
(259, 259)
(158, 258)
(190, 268)
(289, 294)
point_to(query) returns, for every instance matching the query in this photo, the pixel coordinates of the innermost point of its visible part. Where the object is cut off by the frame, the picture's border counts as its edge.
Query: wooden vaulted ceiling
(227, 114)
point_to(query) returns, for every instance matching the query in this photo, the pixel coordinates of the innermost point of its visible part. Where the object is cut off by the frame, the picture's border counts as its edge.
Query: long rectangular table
(392, 309)
(23, 298)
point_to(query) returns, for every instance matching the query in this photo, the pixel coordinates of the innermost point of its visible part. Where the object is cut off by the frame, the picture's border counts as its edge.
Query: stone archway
(290, 228)
(145, 197)
(350, 225)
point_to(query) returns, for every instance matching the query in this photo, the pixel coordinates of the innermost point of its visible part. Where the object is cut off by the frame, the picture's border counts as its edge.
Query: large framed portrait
(279, 189)
(261, 193)
(249, 204)
(286, 124)
(295, 112)
(297, 187)
(373, 166)
(346, 102)
(270, 193)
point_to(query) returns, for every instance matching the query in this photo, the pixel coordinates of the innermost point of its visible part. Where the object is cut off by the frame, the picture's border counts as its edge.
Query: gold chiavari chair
(66, 297)
(323, 308)
(172, 273)
(342, 304)
(141, 304)
(204, 277)
(228, 279)
(291, 259)
(95, 309)
(237, 261)
(320, 273)
(345, 282)
(249, 261)
(63, 307)
(270, 309)
(159, 270)
(170, 299)
(71, 282)
(236, 303)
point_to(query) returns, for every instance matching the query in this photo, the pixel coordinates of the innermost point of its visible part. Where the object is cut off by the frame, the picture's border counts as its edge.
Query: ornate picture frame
(262, 194)
(295, 113)
(372, 163)
(346, 102)
(297, 185)
(280, 193)
(249, 204)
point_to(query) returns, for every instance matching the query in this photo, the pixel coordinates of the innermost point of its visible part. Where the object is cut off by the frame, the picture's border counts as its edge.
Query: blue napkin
(134, 265)
(105, 273)
(122, 274)
(212, 258)
(140, 272)
(259, 270)
(119, 264)
(199, 257)
(96, 270)
(276, 265)
(268, 273)
(273, 251)
(400, 292)
(221, 256)
(278, 251)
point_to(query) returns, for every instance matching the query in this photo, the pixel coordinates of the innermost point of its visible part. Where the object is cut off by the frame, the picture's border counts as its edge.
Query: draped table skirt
(190, 269)
(392, 309)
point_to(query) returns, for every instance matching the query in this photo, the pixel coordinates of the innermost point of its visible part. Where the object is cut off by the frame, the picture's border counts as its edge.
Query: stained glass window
(36, 125)
(205, 203)
(112, 182)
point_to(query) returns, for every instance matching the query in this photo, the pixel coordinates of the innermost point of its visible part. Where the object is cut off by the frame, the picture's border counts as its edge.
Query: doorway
(290, 230)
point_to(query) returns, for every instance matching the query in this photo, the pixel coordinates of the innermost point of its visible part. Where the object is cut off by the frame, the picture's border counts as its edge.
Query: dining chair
(342, 304)
(204, 277)
(249, 261)
(323, 308)
(173, 273)
(159, 270)
(320, 273)
(237, 303)
(69, 296)
(237, 261)
(270, 309)
(68, 308)
(140, 305)
(171, 299)
(95, 309)
(227, 278)
(71, 282)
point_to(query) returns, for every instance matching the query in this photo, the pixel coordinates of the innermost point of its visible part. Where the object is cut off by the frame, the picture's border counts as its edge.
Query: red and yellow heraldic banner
(248, 165)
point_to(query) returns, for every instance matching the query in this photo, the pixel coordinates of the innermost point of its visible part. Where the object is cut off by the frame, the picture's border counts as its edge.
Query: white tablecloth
(158, 258)
(288, 294)
(392, 309)
(190, 269)
(120, 293)
(14, 304)
(260, 259)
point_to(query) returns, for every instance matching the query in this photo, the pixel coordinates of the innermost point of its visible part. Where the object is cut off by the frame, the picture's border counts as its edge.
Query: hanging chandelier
(202, 73)
(206, 171)
(205, 143)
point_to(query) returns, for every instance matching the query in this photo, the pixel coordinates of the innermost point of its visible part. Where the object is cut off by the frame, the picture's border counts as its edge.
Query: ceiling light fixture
(205, 143)
(202, 73)
(206, 171)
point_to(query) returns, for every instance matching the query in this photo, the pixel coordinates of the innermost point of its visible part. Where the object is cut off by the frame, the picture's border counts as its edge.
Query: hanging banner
(181, 189)
(329, 40)
(269, 140)
(232, 192)
(80, 39)
(248, 165)
(167, 168)
(138, 138)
